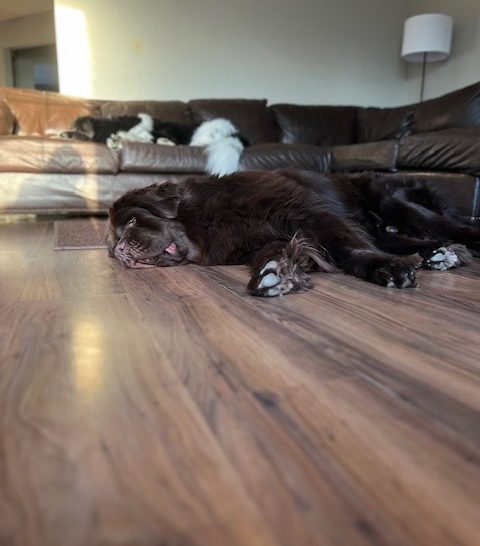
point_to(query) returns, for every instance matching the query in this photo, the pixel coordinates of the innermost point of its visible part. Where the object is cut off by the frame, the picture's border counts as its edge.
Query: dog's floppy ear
(167, 198)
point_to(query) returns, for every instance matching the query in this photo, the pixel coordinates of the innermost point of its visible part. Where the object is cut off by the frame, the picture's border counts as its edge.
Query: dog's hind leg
(282, 267)
(436, 254)
(396, 243)
(352, 249)
(419, 220)
(377, 267)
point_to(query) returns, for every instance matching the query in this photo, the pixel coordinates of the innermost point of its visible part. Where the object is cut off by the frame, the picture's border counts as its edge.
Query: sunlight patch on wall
(72, 50)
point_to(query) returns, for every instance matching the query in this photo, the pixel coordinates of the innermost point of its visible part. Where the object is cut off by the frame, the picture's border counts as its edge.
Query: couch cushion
(461, 108)
(277, 156)
(450, 150)
(49, 155)
(383, 123)
(138, 157)
(57, 193)
(317, 125)
(251, 117)
(171, 110)
(366, 156)
(39, 113)
(6, 119)
(124, 182)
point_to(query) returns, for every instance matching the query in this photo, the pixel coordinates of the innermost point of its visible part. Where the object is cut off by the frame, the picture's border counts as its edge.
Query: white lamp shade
(429, 33)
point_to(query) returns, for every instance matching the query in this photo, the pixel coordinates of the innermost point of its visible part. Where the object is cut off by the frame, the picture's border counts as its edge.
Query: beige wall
(463, 66)
(31, 31)
(307, 51)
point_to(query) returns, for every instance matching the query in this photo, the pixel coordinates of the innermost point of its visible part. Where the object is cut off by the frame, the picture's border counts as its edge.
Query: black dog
(101, 129)
(287, 223)
(221, 140)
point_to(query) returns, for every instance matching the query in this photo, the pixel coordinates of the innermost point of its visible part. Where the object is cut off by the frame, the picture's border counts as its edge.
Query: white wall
(304, 51)
(463, 66)
(31, 31)
(317, 51)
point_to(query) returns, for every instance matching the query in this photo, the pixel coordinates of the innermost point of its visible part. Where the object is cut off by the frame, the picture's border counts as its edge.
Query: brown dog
(288, 223)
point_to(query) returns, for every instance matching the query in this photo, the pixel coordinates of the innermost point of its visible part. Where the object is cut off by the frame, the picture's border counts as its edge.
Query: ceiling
(9, 9)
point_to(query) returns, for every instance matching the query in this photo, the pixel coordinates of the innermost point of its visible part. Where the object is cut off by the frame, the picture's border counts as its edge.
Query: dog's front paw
(164, 141)
(397, 272)
(446, 257)
(276, 278)
(114, 142)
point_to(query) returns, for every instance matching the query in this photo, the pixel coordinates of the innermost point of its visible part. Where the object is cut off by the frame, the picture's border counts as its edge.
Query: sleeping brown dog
(288, 223)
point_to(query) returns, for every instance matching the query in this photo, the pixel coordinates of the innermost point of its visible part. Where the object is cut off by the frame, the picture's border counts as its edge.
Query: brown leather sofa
(39, 172)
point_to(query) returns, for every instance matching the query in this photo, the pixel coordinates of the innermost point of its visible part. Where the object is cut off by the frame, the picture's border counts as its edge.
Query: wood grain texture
(167, 407)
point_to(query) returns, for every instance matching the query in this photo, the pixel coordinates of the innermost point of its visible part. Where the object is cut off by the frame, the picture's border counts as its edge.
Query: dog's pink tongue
(171, 249)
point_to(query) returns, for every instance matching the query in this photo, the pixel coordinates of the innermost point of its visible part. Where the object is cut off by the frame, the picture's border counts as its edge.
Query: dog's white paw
(114, 142)
(269, 281)
(164, 141)
(278, 277)
(446, 257)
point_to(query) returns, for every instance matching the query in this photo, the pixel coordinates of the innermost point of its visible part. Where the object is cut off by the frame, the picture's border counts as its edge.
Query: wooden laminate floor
(167, 408)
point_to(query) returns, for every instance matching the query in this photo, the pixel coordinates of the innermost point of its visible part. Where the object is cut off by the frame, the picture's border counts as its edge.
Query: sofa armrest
(7, 122)
(268, 157)
(381, 155)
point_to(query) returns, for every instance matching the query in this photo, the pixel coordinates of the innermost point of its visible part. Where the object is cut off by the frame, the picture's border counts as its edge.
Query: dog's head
(144, 231)
(84, 126)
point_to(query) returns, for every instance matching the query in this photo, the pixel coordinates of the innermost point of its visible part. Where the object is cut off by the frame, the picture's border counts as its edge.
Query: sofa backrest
(460, 108)
(28, 112)
(250, 116)
(317, 125)
(40, 113)
(172, 110)
(375, 124)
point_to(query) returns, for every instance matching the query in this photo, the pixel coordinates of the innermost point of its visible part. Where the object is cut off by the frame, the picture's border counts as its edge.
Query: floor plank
(421, 345)
(168, 407)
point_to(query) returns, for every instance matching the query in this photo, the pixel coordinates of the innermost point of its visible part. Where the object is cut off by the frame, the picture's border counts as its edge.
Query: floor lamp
(427, 38)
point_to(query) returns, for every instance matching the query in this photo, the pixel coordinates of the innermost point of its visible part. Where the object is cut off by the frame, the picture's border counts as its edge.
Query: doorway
(35, 68)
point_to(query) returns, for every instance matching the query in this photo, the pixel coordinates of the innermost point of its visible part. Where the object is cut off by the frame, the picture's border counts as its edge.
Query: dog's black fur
(101, 129)
(287, 223)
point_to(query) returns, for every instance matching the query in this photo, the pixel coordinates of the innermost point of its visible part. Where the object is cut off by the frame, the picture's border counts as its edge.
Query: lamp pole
(424, 65)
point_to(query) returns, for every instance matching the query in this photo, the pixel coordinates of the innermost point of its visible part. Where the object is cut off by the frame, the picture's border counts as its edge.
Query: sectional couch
(438, 140)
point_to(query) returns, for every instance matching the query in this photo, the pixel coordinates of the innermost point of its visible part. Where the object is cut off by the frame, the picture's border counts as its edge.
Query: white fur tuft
(146, 123)
(212, 131)
(142, 132)
(223, 156)
(223, 149)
